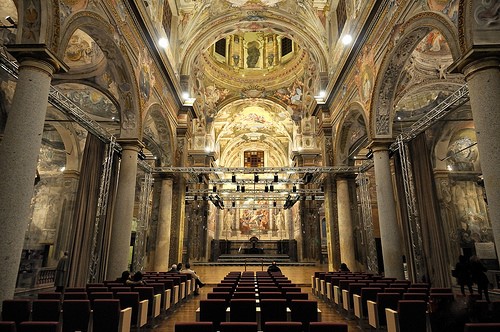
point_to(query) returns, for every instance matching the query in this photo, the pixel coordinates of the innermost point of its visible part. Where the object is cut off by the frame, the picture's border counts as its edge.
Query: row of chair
(107, 316)
(242, 300)
(252, 327)
(79, 307)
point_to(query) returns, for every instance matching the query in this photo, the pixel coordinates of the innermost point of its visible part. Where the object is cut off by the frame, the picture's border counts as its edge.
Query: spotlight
(308, 178)
(195, 198)
(233, 178)
(256, 178)
(187, 188)
(274, 204)
(237, 187)
(271, 187)
(200, 178)
(233, 204)
(266, 189)
(294, 188)
(214, 189)
(276, 177)
(242, 189)
(141, 155)
(369, 155)
(313, 197)
(322, 188)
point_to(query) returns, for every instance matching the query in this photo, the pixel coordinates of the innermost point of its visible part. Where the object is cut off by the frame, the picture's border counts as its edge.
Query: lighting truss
(451, 103)
(257, 170)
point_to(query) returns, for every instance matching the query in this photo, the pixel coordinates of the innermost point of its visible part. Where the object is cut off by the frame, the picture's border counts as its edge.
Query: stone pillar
(346, 237)
(164, 222)
(332, 241)
(124, 209)
(483, 79)
(389, 228)
(19, 155)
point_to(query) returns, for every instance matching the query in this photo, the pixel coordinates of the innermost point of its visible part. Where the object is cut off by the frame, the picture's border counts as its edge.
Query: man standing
(61, 277)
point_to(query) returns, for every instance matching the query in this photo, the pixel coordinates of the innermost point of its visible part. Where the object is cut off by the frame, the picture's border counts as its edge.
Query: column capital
(380, 145)
(39, 56)
(130, 144)
(479, 57)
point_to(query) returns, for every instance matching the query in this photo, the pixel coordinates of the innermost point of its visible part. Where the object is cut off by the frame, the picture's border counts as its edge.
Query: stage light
(266, 189)
(294, 188)
(237, 187)
(233, 178)
(242, 189)
(233, 204)
(214, 189)
(256, 178)
(271, 187)
(276, 178)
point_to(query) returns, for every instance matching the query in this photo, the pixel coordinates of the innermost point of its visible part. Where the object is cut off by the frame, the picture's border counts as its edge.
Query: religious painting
(433, 44)
(75, 5)
(448, 7)
(146, 78)
(254, 221)
(366, 75)
(167, 19)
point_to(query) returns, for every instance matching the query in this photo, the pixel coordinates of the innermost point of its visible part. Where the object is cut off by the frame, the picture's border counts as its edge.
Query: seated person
(187, 270)
(273, 268)
(344, 268)
(124, 278)
(136, 280)
(173, 269)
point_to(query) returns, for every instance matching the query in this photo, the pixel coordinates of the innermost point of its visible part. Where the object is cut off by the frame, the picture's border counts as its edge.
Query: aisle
(211, 275)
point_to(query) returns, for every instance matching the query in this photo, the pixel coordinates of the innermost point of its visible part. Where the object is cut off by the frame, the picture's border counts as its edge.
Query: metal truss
(367, 221)
(452, 102)
(143, 222)
(414, 223)
(256, 170)
(245, 197)
(63, 104)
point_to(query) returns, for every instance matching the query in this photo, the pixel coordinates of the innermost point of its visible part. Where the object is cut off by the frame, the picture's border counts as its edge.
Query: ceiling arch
(304, 28)
(245, 124)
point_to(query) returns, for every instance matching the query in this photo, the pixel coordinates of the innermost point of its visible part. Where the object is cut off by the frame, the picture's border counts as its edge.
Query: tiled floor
(211, 275)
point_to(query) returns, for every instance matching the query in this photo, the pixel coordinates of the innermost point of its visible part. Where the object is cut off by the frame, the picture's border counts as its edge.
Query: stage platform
(255, 260)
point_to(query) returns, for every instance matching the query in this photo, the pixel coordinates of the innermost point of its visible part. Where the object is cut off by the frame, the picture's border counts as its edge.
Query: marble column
(121, 228)
(390, 232)
(164, 222)
(483, 79)
(345, 224)
(19, 151)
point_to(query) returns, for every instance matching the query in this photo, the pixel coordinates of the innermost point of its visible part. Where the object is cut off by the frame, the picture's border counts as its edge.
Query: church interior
(232, 133)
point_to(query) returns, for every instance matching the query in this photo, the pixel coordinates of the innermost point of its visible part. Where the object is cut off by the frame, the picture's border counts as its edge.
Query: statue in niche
(253, 54)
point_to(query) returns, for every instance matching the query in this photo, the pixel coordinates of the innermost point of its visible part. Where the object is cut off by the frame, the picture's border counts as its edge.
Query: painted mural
(448, 7)
(254, 221)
